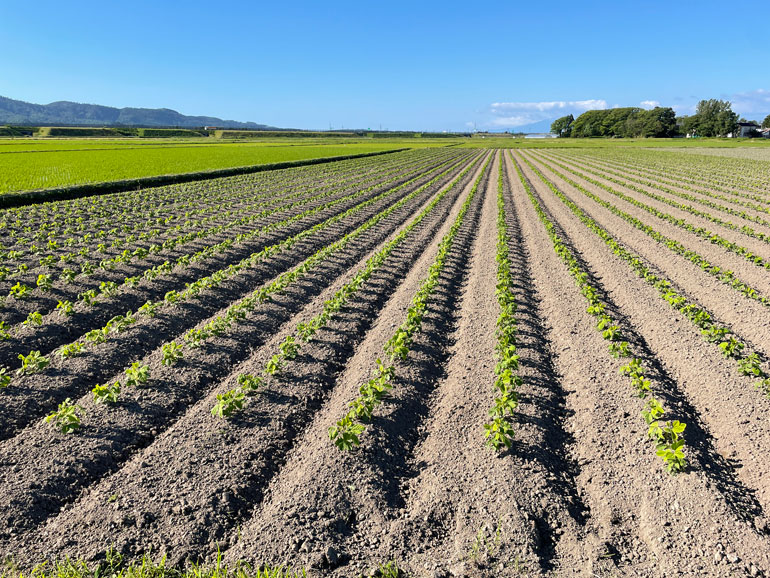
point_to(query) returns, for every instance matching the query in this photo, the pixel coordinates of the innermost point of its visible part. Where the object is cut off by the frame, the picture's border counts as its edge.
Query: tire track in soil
(748, 318)
(181, 464)
(31, 397)
(672, 513)
(325, 497)
(55, 332)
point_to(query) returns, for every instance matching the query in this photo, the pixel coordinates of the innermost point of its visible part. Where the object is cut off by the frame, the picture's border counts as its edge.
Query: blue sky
(400, 65)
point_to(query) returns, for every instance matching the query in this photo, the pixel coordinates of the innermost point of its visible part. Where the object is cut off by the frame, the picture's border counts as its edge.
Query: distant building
(210, 128)
(745, 128)
(541, 135)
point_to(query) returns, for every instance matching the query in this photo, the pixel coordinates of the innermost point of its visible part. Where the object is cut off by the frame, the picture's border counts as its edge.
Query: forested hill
(75, 113)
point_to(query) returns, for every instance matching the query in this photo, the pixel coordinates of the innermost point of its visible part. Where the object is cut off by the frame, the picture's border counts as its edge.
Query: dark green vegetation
(713, 118)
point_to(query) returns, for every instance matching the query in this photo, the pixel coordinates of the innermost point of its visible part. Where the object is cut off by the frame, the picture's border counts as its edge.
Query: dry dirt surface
(240, 267)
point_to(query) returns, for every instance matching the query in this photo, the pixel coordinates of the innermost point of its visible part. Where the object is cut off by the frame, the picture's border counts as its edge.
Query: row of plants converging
(45, 280)
(172, 352)
(499, 432)
(134, 214)
(602, 170)
(62, 251)
(702, 185)
(347, 431)
(109, 289)
(712, 237)
(188, 194)
(749, 363)
(734, 174)
(233, 400)
(667, 435)
(725, 276)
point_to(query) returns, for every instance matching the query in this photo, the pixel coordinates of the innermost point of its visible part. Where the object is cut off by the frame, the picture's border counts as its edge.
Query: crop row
(188, 375)
(127, 256)
(702, 232)
(160, 201)
(748, 362)
(34, 362)
(654, 180)
(134, 224)
(111, 290)
(499, 432)
(623, 180)
(745, 229)
(233, 400)
(667, 435)
(727, 277)
(723, 174)
(348, 429)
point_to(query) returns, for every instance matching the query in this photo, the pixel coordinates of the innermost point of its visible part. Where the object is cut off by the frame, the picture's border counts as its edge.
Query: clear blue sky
(402, 65)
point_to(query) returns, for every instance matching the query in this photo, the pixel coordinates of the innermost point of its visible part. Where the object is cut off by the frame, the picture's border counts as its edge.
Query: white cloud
(549, 105)
(649, 103)
(515, 121)
(506, 115)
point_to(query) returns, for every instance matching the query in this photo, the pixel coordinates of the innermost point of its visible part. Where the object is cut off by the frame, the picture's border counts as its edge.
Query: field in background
(20, 171)
(30, 164)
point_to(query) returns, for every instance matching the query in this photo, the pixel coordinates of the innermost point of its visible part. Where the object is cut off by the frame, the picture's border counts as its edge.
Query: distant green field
(507, 142)
(49, 164)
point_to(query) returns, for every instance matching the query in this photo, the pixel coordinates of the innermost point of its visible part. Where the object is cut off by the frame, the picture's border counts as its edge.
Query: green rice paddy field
(31, 164)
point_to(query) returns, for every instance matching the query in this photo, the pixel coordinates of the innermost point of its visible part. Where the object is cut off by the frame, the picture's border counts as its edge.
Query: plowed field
(466, 362)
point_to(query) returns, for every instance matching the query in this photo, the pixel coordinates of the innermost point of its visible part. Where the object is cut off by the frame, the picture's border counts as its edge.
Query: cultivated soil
(580, 492)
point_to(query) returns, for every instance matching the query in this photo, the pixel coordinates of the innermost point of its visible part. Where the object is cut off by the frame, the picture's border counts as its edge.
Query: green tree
(658, 122)
(715, 118)
(766, 122)
(563, 126)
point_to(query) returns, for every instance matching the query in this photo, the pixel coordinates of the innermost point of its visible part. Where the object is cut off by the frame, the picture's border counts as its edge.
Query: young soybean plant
(106, 394)
(65, 418)
(137, 375)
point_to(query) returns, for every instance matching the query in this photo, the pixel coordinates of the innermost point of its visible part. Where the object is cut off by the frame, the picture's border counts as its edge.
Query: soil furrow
(689, 523)
(31, 397)
(747, 317)
(758, 246)
(352, 493)
(150, 412)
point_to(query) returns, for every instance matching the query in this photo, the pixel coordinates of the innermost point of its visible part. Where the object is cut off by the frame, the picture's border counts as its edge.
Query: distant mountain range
(74, 113)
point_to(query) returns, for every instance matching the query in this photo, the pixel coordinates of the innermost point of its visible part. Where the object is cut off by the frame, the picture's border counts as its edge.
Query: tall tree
(766, 122)
(715, 118)
(563, 126)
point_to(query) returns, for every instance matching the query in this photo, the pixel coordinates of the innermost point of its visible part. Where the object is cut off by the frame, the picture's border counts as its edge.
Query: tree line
(712, 118)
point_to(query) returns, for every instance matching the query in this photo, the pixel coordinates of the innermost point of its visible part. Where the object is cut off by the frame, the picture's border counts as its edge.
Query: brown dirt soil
(584, 165)
(678, 513)
(580, 492)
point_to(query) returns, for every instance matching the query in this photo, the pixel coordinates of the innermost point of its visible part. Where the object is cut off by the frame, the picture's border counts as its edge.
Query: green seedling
(32, 363)
(35, 318)
(65, 418)
(5, 379)
(137, 375)
(20, 291)
(71, 350)
(106, 394)
(228, 403)
(65, 308)
(44, 282)
(172, 353)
